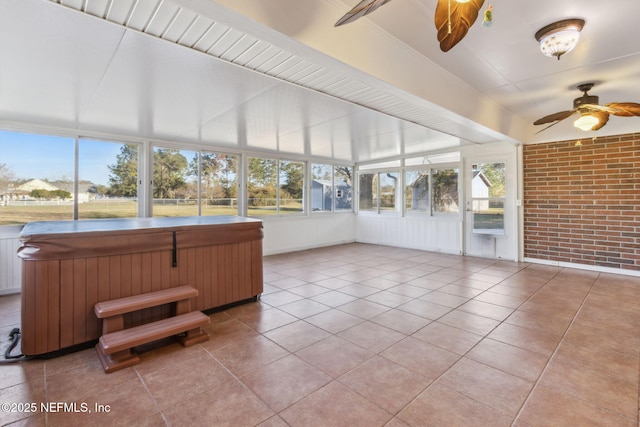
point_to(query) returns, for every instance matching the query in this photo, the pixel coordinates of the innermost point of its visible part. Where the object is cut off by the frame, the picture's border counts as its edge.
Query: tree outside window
(368, 192)
(444, 187)
(388, 190)
(291, 180)
(262, 186)
(275, 187)
(378, 192)
(175, 190)
(218, 182)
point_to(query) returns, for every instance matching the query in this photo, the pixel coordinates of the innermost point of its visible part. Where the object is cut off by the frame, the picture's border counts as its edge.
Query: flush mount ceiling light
(560, 37)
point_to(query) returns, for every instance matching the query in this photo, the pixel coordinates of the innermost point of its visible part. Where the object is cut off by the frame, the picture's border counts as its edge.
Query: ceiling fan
(592, 115)
(453, 18)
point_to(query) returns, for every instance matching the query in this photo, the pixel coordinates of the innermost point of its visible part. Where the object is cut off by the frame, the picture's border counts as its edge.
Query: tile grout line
(555, 350)
(155, 402)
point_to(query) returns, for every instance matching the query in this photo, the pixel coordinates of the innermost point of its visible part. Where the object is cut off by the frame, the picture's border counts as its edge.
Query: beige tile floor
(365, 335)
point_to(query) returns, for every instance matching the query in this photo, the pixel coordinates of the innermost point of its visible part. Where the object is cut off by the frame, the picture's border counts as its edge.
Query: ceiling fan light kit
(560, 37)
(586, 122)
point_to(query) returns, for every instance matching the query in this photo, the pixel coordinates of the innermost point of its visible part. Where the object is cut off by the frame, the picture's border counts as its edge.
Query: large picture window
(37, 178)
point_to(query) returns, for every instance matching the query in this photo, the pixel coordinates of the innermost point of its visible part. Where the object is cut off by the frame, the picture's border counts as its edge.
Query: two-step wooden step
(116, 343)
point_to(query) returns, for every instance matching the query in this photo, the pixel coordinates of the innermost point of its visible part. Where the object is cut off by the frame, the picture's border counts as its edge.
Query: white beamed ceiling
(276, 77)
(156, 69)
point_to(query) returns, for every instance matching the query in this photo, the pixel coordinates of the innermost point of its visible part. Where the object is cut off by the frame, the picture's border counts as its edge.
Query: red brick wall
(582, 203)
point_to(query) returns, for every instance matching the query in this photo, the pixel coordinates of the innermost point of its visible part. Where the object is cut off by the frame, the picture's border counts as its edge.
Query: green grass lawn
(489, 219)
(18, 215)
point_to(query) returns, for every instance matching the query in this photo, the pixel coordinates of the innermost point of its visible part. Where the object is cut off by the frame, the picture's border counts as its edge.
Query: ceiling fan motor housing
(585, 100)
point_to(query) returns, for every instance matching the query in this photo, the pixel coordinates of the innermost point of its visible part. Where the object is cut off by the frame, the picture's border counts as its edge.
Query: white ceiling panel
(274, 62)
(262, 55)
(239, 48)
(76, 4)
(281, 70)
(420, 140)
(226, 43)
(207, 38)
(120, 11)
(179, 25)
(96, 7)
(48, 75)
(142, 14)
(256, 50)
(161, 20)
(300, 72)
(325, 79)
(197, 28)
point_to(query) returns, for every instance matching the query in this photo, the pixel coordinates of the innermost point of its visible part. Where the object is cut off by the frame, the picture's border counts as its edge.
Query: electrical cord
(14, 337)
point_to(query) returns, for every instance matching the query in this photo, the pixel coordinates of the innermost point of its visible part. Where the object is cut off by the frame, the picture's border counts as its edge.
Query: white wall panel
(9, 262)
(439, 234)
(294, 233)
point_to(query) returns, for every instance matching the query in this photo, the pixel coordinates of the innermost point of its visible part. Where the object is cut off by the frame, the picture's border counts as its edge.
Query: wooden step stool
(116, 343)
